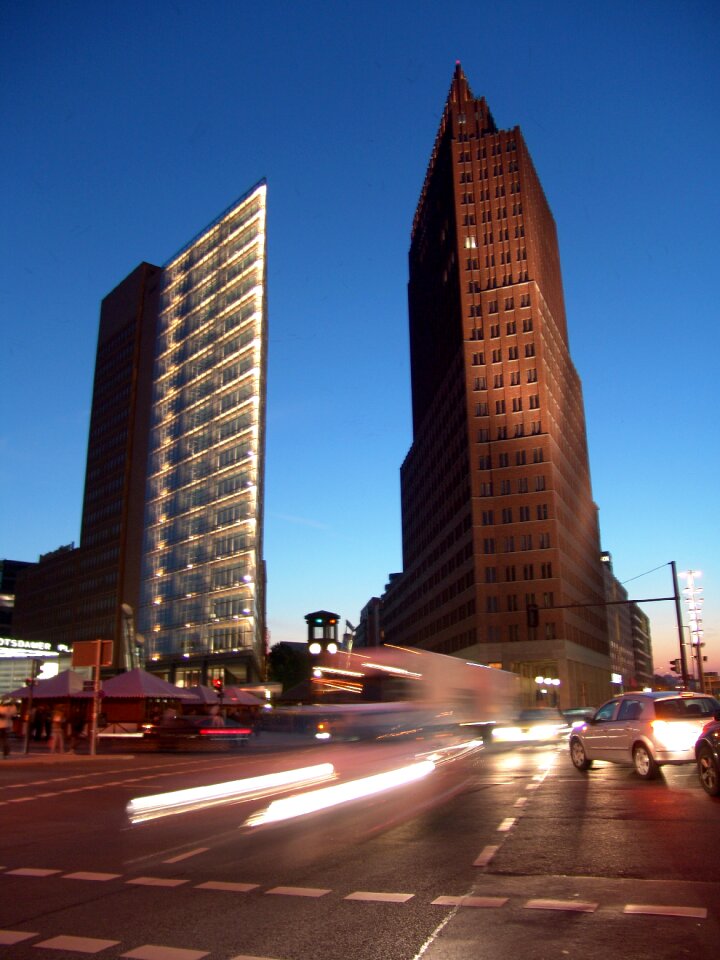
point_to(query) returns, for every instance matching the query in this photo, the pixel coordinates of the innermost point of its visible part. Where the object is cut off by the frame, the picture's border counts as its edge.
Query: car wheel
(578, 755)
(708, 772)
(644, 762)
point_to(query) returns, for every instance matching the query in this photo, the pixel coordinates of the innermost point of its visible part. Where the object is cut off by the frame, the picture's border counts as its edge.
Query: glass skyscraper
(203, 579)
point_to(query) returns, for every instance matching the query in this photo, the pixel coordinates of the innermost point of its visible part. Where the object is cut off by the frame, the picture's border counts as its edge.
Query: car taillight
(223, 731)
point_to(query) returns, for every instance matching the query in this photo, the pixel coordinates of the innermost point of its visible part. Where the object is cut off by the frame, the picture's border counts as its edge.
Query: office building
(170, 564)
(501, 555)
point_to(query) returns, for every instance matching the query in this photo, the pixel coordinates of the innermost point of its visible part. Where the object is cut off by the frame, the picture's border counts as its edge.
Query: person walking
(57, 731)
(7, 715)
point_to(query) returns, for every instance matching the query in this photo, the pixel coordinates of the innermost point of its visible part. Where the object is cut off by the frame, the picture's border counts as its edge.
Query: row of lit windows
(475, 286)
(486, 215)
(511, 543)
(511, 575)
(502, 432)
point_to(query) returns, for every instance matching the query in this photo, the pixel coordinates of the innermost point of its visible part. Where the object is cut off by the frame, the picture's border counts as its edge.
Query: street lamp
(694, 601)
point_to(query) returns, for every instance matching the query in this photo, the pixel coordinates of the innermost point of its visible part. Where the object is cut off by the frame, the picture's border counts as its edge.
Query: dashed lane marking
(91, 875)
(226, 885)
(485, 856)
(576, 906)
(151, 952)
(520, 802)
(380, 897)
(9, 937)
(186, 856)
(299, 891)
(696, 913)
(77, 944)
(468, 901)
(32, 872)
(507, 824)
(156, 882)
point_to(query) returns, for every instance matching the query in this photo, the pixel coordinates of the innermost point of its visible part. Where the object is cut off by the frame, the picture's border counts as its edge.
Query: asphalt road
(504, 854)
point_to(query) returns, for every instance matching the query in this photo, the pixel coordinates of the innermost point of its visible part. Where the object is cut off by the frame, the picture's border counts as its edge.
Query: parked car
(192, 732)
(536, 725)
(646, 730)
(707, 754)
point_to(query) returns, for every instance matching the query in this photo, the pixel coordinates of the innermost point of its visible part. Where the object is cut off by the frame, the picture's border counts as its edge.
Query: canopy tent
(139, 684)
(69, 683)
(241, 697)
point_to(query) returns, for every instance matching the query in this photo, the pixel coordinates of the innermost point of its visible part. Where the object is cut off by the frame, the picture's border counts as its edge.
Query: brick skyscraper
(497, 508)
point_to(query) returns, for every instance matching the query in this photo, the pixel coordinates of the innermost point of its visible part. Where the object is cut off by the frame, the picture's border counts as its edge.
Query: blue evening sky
(128, 127)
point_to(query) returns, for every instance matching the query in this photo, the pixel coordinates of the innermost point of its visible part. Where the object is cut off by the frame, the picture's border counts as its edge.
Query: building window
(470, 243)
(538, 455)
(483, 435)
(488, 518)
(495, 331)
(512, 353)
(472, 264)
(510, 327)
(486, 489)
(546, 571)
(499, 406)
(497, 355)
(498, 380)
(524, 513)
(517, 404)
(505, 487)
(466, 176)
(485, 462)
(467, 198)
(490, 574)
(532, 375)
(534, 401)
(529, 349)
(523, 485)
(489, 545)
(480, 383)
(502, 433)
(528, 571)
(510, 574)
(509, 304)
(536, 427)
(478, 359)
(542, 511)
(520, 458)
(514, 378)
(544, 541)
(481, 409)
(507, 511)
(539, 483)
(512, 602)
(503, 460)
(527, 325)
(493, 306)
(491, 604)
(510, 546)
(513, 633)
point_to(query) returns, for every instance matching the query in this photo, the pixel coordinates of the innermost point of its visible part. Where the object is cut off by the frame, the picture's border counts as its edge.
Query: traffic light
(218, 685)
(533, 615)
(675, 665)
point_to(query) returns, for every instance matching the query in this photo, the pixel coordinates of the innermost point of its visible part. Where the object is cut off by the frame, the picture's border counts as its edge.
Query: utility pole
(678, 614)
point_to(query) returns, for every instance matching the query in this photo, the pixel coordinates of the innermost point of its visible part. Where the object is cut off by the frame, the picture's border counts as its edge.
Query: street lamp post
(694, 601)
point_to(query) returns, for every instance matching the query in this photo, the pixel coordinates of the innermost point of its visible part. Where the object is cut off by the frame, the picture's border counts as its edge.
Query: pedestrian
(77, 728)
(58, 722)
(8, 712)
(38, 722)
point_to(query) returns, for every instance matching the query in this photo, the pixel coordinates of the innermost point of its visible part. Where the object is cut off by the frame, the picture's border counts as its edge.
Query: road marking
(185, 856)
(576, 906)
(506, 825)
(156, 882)
(697, 913)
(25, 799)
(8, 937)
(485, 856)
(32, 872)
(471, 901)
(89, 875)
(151, 952)
(299, 891)
(532, 786)
(78, 944)
(224, 885)
(381, 897)
(246, 956)
(520, 802)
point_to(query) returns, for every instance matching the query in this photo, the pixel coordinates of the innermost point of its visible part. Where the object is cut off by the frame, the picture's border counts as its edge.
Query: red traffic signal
(218, 684)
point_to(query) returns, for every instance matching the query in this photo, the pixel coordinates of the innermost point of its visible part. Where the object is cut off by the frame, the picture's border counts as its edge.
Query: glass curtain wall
(203, 569)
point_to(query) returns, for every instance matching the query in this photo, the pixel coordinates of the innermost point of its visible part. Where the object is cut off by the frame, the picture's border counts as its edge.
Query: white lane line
(471, 901)
(697, 913)
(156, 882)
(150, 951)
(226, 885)
(77, 944)
(299, 891)
(32, 872)
(507, 824)
(485, 856)
(576, 906)
(25, 799)
(520, 802)
(90, 875)
(532, 786)
(8, 937)
(246, 956)
(380, 897)
(185, 856)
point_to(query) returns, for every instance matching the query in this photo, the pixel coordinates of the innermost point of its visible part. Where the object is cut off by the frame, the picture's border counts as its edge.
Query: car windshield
(685, 708)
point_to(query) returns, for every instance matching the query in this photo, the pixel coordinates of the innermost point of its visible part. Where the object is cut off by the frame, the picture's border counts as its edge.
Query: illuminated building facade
(501, 554)
(203, 593)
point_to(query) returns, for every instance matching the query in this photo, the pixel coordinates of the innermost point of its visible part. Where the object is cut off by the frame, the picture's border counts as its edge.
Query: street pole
(678, 614)
(96, 698)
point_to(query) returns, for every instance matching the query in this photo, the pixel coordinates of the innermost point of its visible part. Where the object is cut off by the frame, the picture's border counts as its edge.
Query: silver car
(646, 730)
